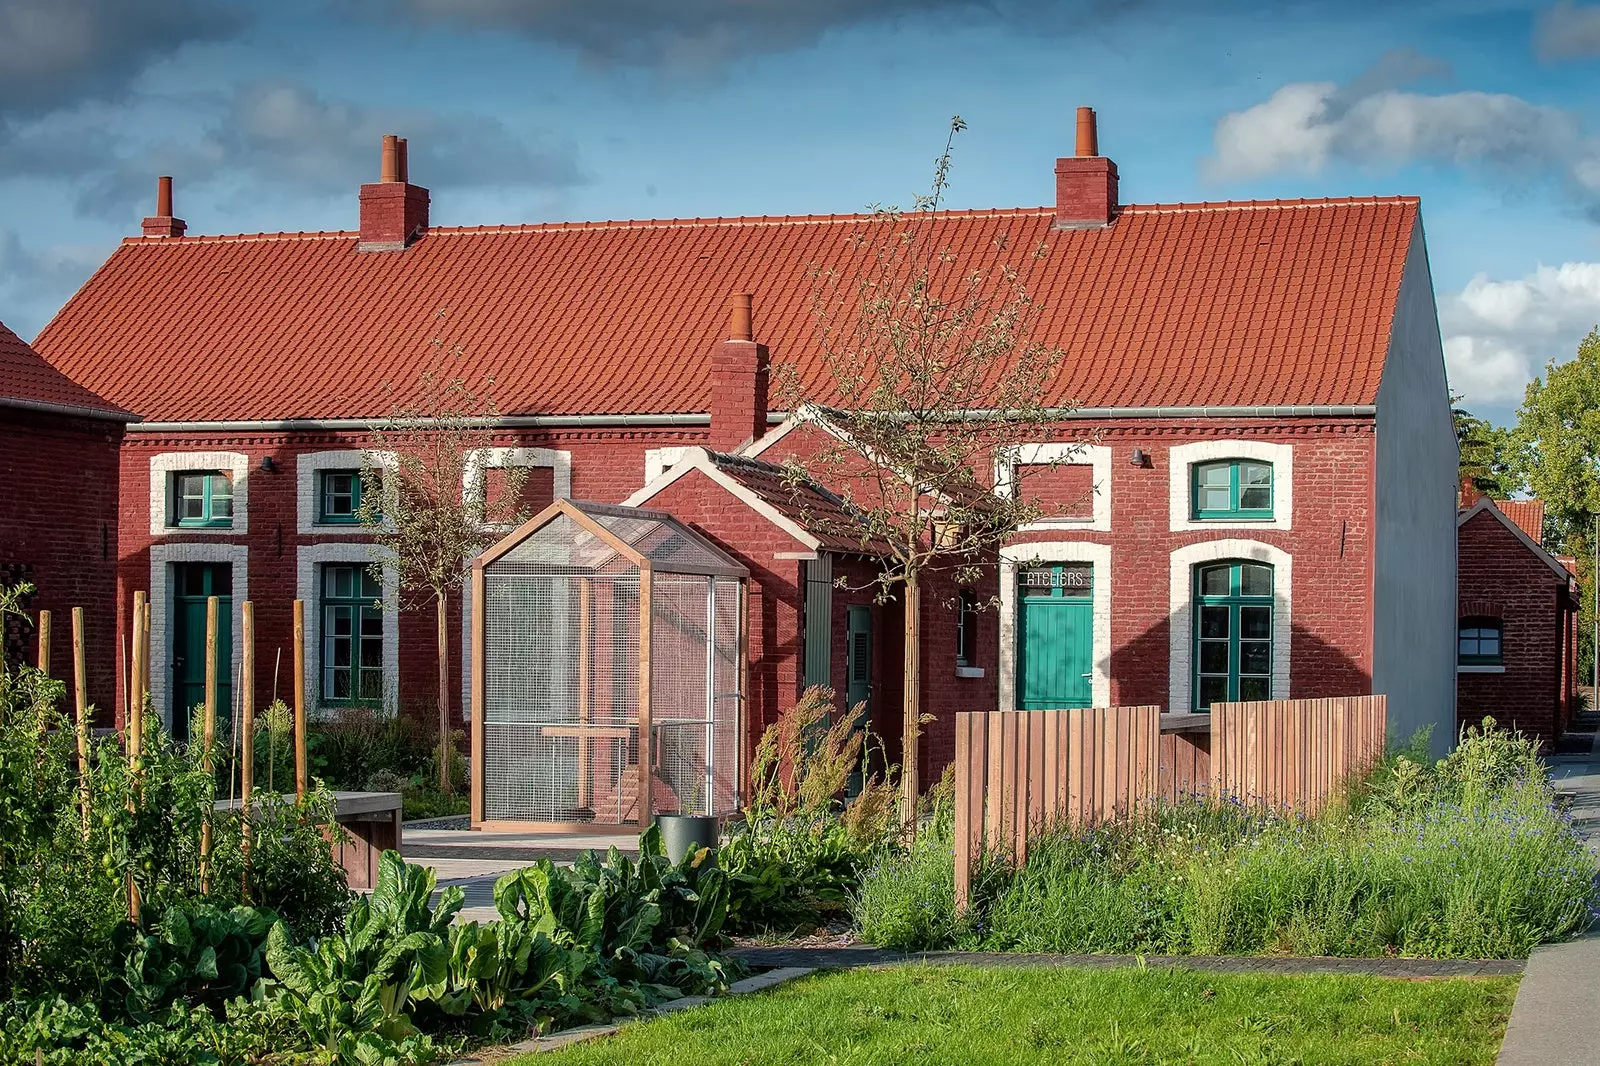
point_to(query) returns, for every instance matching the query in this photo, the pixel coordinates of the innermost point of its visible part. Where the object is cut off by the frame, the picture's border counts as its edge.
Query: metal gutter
(1065, 414)
(68, 409)
(364, 424)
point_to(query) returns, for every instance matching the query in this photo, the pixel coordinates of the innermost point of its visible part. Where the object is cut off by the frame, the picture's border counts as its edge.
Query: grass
(968, 1016)
(1467, 858)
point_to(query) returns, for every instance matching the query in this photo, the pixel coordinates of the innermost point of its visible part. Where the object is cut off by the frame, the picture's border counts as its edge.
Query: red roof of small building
(27, 378)
(1528, 514)
(802, 501)
(1226, 304)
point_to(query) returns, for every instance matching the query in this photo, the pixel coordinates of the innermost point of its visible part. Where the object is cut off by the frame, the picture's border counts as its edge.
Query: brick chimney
(394, 212)
(162, 223)
(738, 382)
(1086, 182)
(1469, 493)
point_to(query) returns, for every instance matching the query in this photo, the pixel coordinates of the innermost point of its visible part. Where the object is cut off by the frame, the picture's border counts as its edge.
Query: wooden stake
(144, 635)
(585, 640)
(911, 710)
(247, 731)
(646, 736)
(208, 737)
(475, 786)
(299, 700)
(44, 643)
(81, 710)
(133, 727)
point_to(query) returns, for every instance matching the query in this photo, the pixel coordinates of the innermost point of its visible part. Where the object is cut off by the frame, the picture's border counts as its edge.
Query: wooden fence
(1021, 772)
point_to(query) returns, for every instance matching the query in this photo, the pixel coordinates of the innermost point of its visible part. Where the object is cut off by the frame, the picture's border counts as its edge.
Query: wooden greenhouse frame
(585, 515)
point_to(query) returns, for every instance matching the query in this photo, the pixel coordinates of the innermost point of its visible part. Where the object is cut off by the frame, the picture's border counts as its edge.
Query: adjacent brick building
(1253, 456)
(1517, 640)
(58, 510)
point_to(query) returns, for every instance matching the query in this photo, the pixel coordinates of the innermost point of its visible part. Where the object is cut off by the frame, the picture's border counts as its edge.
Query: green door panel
(858, 675)
(192, 584)
(1055, 642)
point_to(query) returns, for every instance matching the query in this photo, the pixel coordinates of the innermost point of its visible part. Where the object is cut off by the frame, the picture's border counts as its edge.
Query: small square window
(202, 498)
(1479, 642)
(340, 494)
(1232, 488)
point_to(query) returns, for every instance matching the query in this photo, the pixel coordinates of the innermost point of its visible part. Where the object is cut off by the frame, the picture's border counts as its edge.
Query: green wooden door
(192, 584)
(1055, 637)
(858, 674)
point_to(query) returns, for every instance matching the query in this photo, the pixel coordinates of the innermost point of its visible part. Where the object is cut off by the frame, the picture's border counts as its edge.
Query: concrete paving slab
(1555, 1020)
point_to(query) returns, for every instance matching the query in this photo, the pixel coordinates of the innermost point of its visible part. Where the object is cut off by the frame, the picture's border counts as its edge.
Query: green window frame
(1231, 488)
(967, 628)
(352, 635)
(202, 499)
(1234, 607)
(1480, 642)
(339, 497)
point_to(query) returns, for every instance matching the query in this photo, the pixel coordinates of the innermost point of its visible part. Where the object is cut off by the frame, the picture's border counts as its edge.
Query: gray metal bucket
(682, 833)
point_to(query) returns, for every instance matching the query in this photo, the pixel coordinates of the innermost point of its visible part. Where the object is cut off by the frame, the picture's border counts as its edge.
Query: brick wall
(59, 522)
(1501, 578)
(606, 465)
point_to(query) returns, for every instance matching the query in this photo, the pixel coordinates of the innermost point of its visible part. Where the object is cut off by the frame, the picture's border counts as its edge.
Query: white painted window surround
(1061, 453)
(1181, 459)
(309, 560)
(308, 488)
(560, 462)
(164, 465)
(1180, 677)
(1056, 551)
(658, 461)
(162, 557)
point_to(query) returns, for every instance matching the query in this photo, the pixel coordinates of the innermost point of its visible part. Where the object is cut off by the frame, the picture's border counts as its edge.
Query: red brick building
(1517, 640)
(58, 509)
(1254, 449)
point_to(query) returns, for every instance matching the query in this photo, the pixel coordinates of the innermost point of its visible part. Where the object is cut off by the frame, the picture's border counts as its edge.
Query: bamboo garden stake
(208, 737)
(44, 643)
(133, 726)
(299, 700)
(81, 711)
(247, 731)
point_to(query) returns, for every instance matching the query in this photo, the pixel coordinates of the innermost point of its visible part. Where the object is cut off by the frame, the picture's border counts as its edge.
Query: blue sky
(269, 114)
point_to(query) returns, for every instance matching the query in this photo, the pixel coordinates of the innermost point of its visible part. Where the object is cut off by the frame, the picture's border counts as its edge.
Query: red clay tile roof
(1528, 514)
(1255, 303)
(26, 377)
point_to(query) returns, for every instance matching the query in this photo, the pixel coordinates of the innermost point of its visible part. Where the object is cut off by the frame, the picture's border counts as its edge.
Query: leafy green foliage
(202, 954)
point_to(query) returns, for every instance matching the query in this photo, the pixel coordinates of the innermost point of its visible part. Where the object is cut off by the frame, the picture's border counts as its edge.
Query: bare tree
(928, 375)
(424, 521)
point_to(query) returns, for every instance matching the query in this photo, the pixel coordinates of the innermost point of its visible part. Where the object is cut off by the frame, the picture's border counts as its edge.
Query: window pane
(339, 621)
(1255, 688)
(221, 485)
(1214, 580)
(1255, 580)
(222, 507)
(1255, 623)
(1213, 657)
(371, 623)
(372, 653)
(1213, 690)
(370, 590)
(1213, 621)
(371, 685)
(1213, 498)
(1213, 474)
(1489, 643)
(341, 684)
(343, 582)
(1255, 474)
(1255, 499)
(1255, 657)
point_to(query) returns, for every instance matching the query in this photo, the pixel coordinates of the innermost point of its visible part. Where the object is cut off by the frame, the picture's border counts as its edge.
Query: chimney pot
(1088, 135)
(739, 322)
(394, 212)
(389, 169)
(1086, 182)
(162, 223)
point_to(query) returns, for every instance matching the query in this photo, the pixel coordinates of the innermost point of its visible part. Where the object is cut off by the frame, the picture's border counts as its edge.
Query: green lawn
(967, 1016)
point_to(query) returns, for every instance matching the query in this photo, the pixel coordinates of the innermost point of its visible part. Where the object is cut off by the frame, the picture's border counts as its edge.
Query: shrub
(796, 860)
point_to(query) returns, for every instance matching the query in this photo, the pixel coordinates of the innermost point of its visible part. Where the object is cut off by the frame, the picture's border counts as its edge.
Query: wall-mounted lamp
(1139, 458)
(268, 465)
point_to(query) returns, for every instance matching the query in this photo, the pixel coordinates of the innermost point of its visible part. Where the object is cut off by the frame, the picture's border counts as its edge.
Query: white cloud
(1568, 31)
(1498, 335)
(1305, 126)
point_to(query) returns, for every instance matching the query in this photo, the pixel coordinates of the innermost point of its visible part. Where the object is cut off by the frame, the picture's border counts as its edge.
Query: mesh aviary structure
(608, 648)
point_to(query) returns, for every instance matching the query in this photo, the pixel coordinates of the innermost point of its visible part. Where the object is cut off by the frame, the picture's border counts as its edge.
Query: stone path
(1556, 1018)
(866, 956)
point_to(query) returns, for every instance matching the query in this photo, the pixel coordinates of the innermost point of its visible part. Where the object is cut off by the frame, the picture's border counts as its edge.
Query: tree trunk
(441, 602)
(911, 708)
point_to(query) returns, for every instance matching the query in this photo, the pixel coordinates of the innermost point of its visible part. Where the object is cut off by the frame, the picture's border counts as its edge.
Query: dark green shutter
(819, 620)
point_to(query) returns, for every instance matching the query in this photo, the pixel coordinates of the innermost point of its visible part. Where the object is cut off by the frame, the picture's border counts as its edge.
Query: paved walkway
(476, 860)
(866, 956)
(1556, 1018)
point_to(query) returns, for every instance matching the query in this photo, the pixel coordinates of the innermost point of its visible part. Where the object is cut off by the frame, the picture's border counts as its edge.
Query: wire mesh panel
(561, 660)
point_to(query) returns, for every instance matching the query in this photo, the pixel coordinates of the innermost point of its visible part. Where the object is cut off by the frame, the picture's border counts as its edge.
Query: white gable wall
(1414, 609)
